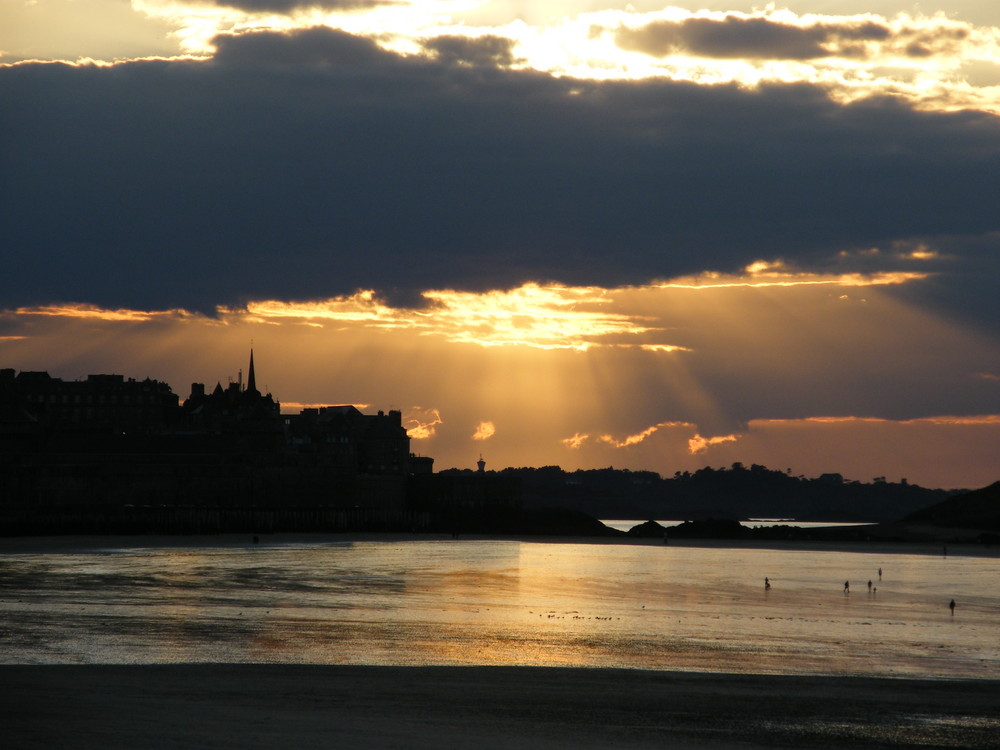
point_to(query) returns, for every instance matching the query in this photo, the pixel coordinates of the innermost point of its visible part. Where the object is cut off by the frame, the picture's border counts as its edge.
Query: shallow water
(625, 525)
(505, 602)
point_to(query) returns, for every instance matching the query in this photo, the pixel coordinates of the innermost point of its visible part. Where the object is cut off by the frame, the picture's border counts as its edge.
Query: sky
(561, 232)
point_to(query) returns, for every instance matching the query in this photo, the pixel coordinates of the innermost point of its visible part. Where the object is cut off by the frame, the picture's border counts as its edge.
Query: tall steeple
(251, 379)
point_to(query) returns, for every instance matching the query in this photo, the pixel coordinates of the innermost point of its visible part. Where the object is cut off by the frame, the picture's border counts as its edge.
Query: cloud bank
(312, 163)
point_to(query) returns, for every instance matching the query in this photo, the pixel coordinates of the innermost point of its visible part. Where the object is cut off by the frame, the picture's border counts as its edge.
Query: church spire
(251, 379)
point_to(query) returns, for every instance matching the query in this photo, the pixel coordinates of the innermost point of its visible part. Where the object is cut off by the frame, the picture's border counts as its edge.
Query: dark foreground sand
(280, 706)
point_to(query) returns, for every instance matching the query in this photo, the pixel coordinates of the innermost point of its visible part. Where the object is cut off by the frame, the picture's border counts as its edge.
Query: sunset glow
(543, 384)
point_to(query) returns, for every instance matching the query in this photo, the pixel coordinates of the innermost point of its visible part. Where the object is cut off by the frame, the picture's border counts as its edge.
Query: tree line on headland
(712, 501)
(737, 492)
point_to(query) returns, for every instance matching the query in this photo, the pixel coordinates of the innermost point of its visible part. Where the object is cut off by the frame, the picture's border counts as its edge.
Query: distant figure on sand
(847, 587)
(869, 584)
(767, 583)
(880, 574)
(951, 606)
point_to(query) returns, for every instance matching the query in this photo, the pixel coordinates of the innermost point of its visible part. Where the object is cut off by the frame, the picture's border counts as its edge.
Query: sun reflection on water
(644, 606)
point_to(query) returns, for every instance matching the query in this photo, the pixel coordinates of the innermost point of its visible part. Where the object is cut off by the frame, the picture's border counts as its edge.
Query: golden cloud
(532, 315)
(421, 423)
(100, 313)
(574, 442)
(699, 444)
(642, 435)
(775, 274)
(545, 316)
(484, 431)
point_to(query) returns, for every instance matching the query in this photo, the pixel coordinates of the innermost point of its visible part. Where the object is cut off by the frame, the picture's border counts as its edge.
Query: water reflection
(505, 602)
(625, 525)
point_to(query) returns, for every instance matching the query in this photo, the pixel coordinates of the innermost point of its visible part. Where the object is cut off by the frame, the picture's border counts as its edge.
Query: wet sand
(79, 544)
(279, 706)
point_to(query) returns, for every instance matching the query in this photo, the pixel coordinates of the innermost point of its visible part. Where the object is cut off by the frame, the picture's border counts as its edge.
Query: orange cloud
(980, 419)
(699, 444)
(533, 315)
(421, 423)
(99, 313)
(764, 274)
(362, 306)
(640, 436)
(546, 317)
(575, 441)
(663, 348)
(484, 431)
(977, 419)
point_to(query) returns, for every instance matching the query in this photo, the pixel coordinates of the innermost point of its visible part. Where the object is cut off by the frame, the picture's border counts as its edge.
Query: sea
(412, 600)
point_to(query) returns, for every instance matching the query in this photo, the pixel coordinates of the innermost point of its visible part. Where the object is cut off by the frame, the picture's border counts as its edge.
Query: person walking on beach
(847, 587)
(951, 606)
(767, 583)
(869, 585)
(880, 574)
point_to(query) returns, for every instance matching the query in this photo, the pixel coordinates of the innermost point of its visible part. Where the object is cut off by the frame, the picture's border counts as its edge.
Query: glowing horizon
(552, 374)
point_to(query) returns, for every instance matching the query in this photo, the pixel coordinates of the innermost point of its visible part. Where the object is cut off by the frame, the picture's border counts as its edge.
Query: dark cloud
(310, 50)
(310, 164)
(732, 37)
(742, 37)
(488, 50)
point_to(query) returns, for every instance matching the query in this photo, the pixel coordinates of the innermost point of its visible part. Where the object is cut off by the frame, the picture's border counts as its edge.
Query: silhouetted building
(421, 465)
(344, 437)
(243, 416)
(467, 500)
(110, 453)
(34, 403)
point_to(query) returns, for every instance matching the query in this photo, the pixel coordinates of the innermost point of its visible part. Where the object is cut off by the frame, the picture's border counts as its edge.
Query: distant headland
(111, 455)
(712, 503)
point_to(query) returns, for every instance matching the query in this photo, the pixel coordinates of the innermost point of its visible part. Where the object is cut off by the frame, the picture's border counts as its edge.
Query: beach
(383, 643)
(85, 543)
(301, 706)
